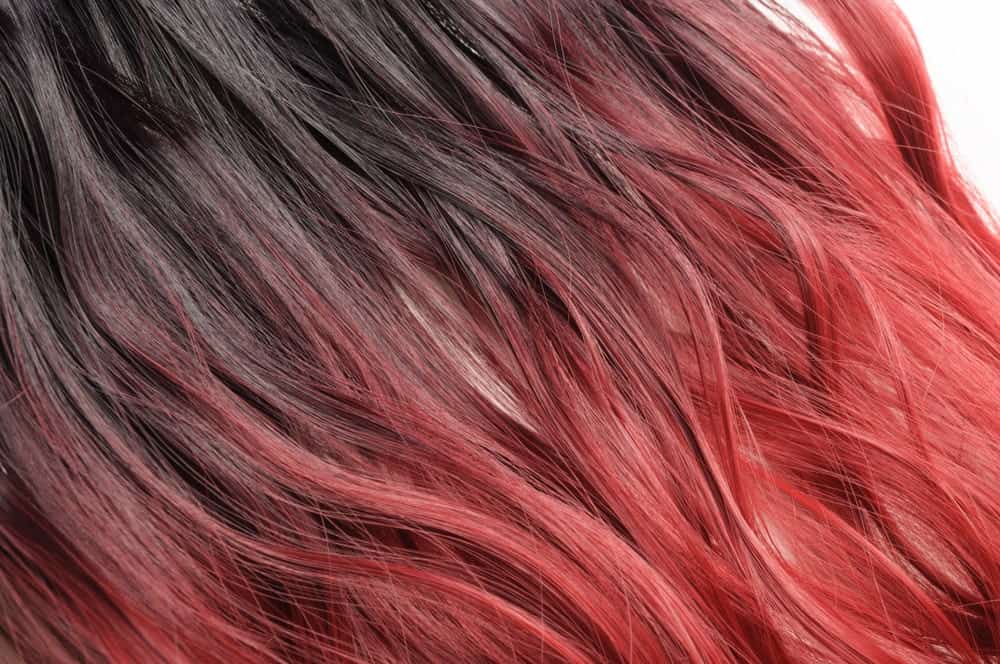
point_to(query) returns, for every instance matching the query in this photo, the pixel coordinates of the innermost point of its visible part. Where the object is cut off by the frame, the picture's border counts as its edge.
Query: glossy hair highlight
(627, 331)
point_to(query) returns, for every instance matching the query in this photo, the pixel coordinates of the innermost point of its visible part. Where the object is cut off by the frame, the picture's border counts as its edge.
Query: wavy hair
(440, 331)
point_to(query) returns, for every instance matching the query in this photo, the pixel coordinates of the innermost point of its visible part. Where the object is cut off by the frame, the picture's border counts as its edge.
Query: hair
(626, 331)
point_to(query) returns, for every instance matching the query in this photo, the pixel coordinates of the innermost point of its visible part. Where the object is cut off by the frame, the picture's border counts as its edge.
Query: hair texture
(468, 331)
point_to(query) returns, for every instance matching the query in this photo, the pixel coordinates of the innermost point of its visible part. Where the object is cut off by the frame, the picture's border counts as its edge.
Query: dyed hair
(626, 331)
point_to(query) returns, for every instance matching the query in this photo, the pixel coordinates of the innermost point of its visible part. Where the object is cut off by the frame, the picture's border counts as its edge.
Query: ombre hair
(440, 331)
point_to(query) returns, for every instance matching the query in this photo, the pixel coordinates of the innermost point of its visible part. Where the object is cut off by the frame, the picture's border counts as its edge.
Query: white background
(960, 42)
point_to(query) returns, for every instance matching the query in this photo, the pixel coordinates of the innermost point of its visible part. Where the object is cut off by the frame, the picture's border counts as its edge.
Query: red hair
(592, 331)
